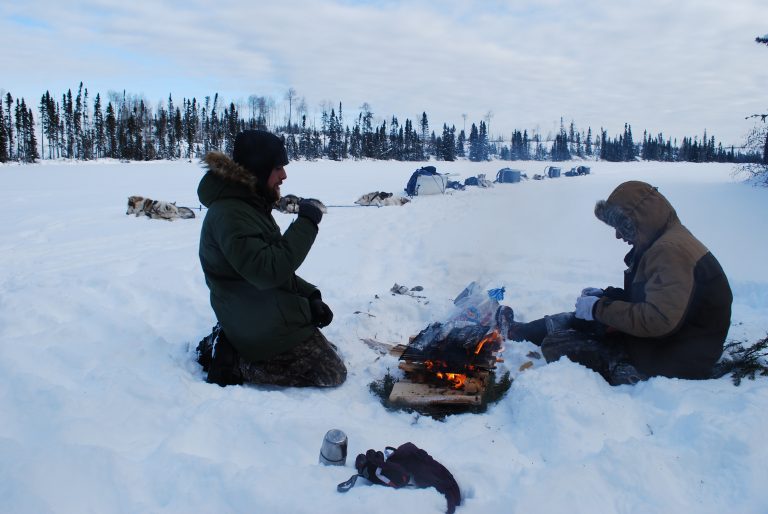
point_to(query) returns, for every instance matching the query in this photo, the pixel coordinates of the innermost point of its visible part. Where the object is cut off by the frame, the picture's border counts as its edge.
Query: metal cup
(334, 449)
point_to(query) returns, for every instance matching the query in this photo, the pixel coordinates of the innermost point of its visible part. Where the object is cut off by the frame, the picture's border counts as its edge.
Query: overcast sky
(679, 66)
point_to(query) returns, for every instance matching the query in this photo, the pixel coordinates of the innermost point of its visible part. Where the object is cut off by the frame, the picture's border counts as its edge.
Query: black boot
(533, 331)
(621, 373)
(205, 348)
(224, 369)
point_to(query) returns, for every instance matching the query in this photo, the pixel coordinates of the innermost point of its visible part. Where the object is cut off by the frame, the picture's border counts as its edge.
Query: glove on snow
(322, 315)
(373, 467)
(584, 307)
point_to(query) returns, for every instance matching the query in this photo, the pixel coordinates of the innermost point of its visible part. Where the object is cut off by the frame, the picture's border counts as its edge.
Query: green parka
(675, 308)
(250, 267)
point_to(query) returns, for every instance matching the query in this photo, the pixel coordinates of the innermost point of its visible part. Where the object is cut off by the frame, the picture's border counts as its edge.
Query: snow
(104, 409)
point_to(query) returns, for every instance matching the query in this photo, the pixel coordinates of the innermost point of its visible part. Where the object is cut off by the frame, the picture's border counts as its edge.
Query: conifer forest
(126, 127)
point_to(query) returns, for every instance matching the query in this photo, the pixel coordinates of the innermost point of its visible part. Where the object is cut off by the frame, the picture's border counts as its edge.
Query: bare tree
(290, 95)
(302, 108)
(488, 117)
(757, 140)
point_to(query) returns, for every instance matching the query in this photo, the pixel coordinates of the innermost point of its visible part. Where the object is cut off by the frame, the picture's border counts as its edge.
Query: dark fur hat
(259, 152)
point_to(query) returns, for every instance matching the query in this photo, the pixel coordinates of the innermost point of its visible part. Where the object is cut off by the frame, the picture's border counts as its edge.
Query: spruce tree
(474, 144)
(460, 144)
(111, 132)
(332, 133)
(21, 140)
(395, 140)
(87, 134)
(77, 124)
(482, 136)
(628, 148)
(69, 125)
(214, 125)
(449, 143)
(178, 131)
(44, 122)
(98, 128)
(32, 153)
(526, 146)
(3, 138)
(9, 125)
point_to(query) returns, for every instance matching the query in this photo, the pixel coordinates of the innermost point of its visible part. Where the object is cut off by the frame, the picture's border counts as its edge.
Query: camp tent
(552, 171)
(426, 181)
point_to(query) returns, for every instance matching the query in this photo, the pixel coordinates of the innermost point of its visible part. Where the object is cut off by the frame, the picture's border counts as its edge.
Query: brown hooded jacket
(675, 309)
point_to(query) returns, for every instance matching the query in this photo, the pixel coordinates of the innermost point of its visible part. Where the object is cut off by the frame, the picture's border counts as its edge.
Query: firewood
(423, 395)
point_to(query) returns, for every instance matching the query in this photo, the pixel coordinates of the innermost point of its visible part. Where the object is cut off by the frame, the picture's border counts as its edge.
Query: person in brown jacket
(671, 317)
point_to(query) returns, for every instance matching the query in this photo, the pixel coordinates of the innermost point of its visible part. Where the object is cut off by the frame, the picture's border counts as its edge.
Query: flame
(431, 365)
(493, 337)
(456, 379)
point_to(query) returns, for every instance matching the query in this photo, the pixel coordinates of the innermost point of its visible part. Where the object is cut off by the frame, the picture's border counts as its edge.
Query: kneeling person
(268, 317)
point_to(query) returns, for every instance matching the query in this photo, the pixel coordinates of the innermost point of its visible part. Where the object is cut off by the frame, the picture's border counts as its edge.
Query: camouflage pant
(608, 358)
(312, 363)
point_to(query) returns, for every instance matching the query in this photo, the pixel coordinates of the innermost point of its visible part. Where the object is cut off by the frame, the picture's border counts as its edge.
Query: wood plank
(378, 346)
(409, 393)
(412, 367)
(398, 350)
(384, 348)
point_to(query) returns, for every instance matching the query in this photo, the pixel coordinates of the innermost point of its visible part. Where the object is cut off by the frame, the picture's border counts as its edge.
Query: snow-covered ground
(103, 408)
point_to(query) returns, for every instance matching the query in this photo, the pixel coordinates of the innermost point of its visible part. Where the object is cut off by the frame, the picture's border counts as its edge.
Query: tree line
(126, 127)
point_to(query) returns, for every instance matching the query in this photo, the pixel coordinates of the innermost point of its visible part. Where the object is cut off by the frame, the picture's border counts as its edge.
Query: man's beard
(271, 195)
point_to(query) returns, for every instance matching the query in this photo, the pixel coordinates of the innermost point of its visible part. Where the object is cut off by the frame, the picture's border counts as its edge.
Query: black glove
(615, 293)
(321, 313)
(311, 209)
(288, 204)
(373, 467)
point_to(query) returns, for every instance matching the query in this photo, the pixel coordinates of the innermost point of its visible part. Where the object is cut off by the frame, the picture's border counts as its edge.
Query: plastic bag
(476, 305)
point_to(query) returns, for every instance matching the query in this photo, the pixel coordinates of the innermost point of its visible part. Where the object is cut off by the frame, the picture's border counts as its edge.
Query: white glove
(592, 291)
(584, 306)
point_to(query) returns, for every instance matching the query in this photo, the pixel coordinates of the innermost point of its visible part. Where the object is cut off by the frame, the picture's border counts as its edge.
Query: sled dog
(157, 209)
(380, 199)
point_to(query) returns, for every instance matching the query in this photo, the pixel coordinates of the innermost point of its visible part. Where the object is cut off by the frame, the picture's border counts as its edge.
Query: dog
(381, 199)
(157, 209)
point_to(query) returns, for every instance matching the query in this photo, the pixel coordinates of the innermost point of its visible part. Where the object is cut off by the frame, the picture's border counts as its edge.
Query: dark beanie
(259, 152)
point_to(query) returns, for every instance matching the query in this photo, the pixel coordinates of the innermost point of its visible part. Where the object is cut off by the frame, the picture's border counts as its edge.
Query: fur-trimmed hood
(639, 211)
(225, 179)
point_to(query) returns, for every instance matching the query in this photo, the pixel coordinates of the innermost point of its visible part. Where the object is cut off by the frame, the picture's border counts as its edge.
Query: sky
(679, 67)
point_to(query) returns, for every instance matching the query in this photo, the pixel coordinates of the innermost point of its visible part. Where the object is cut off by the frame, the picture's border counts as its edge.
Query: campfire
(447, 365)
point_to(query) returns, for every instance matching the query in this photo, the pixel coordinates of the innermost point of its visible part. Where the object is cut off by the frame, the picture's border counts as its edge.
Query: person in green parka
(268, 317)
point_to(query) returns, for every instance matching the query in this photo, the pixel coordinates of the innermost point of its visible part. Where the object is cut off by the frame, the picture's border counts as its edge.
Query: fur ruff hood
(638, 211)
(228, 170)
(226, 179)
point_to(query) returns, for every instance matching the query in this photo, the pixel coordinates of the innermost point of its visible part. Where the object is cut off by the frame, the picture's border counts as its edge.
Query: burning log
(447, 365)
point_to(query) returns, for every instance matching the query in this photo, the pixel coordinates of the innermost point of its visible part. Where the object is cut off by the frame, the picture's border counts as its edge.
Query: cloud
(678, 68)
